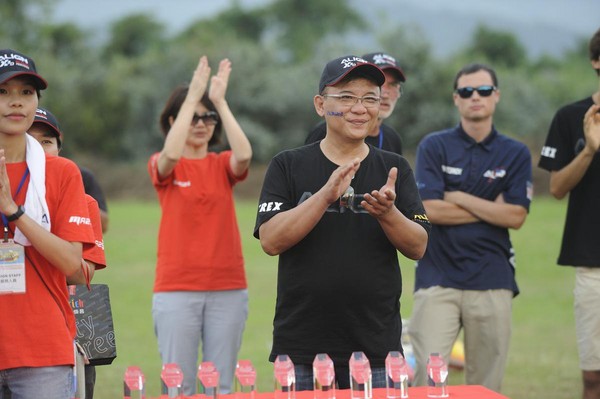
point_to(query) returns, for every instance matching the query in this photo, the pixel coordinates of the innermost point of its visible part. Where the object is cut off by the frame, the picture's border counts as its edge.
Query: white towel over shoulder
(35, 199)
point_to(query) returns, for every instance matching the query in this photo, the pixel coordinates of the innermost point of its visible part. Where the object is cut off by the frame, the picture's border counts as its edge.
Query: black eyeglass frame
(210, 118)
(483, 91)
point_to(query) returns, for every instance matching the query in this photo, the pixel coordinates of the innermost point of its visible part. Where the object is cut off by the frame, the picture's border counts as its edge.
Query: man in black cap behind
(46, 121)
(381, 136)
(336, 212)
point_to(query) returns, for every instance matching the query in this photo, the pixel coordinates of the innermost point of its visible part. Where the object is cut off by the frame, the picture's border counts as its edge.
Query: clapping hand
(218, 83)
(340, 180)
(7, 205)
(379, 202)
(591, 127)
(199, 80)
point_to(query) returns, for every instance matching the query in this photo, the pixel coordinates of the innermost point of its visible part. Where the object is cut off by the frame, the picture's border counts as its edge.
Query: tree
(134, 35)
(231, 27)
(66, 41)
(497, 47)
(19, 29)
(426, 102)
(299, 25)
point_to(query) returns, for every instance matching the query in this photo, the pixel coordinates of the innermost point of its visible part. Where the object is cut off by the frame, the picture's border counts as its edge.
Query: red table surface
(454, 392)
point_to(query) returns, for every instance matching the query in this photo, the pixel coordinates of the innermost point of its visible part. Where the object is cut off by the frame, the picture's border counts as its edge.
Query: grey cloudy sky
(541, 25)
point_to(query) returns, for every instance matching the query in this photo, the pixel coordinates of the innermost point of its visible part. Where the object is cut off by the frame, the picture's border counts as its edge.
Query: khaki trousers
(485, 316)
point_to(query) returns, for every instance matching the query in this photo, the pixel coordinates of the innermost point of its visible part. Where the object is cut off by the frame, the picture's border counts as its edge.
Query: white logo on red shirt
(79, 220)
(182, 183)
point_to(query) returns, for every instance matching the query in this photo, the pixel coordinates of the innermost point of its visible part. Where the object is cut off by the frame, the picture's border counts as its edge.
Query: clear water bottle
(437, 376)
(134, 383)
(361, 386)
(285, 378)
(208, 380)
(172, 380)
(396, 381)
(323, 377)
(245, 380)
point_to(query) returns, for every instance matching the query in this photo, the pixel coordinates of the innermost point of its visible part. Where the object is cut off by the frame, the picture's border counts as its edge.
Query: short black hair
(475, 67)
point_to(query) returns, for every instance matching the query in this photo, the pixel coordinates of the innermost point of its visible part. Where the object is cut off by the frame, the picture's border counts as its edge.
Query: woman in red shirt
(200, 291)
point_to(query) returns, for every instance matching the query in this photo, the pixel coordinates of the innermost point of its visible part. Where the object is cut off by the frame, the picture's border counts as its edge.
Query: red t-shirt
(95, 252)
(199, 246)
(38, 327)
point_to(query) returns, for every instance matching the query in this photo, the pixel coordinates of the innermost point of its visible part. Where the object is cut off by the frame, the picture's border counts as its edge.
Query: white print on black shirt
(548, 152)
(270, 206)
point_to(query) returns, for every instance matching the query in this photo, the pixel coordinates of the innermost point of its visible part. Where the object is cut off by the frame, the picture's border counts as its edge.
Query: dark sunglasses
(209, 118)
(483, 91)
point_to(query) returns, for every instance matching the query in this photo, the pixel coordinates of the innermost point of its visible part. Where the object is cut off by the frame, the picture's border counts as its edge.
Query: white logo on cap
(12, 59)
(350, 62)
(40, 113)
(383, 59)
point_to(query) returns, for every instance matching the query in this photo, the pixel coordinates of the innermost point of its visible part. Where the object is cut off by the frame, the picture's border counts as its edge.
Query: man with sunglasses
(570, 154)
(381, 136)
(336, 212)
(475, 184)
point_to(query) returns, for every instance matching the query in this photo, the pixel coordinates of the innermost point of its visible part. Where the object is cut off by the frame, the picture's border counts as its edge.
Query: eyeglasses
(483, 91)
(209, 118)
(348, 100)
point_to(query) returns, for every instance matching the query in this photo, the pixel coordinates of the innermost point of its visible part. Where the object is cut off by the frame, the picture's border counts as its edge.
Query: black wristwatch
(20, 211)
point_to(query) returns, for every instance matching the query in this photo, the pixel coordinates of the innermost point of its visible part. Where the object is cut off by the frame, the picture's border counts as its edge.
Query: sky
(543, 26)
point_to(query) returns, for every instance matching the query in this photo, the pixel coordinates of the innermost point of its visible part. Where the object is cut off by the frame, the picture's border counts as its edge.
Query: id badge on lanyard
(12, 268)
(12, 258)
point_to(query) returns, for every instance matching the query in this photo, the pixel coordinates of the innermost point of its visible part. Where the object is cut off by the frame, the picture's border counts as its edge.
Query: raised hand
(340, 180)
(379, 202)
(199, 80)
(591, 127)
(7, 205)
(218, 83)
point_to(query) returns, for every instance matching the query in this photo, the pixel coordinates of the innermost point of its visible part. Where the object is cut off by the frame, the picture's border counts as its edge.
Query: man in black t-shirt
(571, 156)
(381, 135)
(336, 212)
(93, 189)
(90, 183)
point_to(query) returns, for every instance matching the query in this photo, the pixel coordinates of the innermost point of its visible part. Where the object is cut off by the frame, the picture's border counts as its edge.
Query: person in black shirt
(92, 188)
(381, 135)
(336, 212)
(571, 156)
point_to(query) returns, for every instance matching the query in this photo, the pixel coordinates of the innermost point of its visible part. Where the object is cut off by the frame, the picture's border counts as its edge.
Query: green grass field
(543, 354)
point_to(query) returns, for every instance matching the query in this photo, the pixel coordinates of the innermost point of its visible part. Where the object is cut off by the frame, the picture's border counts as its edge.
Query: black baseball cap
(46, 117)
(385, 61)
(339, 68)
(13, 64)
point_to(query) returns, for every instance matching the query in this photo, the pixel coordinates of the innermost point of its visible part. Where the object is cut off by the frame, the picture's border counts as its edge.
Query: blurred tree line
(109, 93)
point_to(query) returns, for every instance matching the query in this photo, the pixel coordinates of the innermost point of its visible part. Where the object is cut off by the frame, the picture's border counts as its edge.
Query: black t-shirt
(565, 140)
(338, 289)
(92, 187)
(387, 139)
